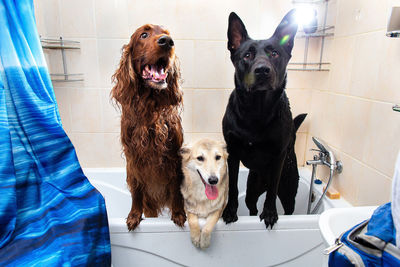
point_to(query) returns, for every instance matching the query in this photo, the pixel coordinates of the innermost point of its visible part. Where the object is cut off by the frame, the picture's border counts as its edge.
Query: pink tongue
(211, 192)
(157, 75)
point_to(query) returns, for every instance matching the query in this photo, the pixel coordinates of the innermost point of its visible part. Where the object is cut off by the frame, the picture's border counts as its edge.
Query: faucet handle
(321, 145)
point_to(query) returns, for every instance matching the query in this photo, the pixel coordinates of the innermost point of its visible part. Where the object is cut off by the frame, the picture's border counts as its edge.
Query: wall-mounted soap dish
(396, 108)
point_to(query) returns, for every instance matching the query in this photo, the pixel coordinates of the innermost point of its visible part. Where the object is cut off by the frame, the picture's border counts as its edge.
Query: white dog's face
(206, 162)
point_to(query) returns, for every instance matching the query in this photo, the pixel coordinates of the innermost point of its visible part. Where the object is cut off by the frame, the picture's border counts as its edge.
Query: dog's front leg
(135, 215)
(230, 213)
(269, 213)
(178, 215)
(205, 238)
(194, 229)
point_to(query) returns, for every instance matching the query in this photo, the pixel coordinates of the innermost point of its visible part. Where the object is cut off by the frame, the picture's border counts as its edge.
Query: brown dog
(205, 187)
(148, 94)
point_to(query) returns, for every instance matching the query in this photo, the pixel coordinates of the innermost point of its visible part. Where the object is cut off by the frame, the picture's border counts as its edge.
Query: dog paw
(133, 221)
(205, 240)
(195, 237)
(229, 216)
(269, 217)
(179, 218)
(253, 212)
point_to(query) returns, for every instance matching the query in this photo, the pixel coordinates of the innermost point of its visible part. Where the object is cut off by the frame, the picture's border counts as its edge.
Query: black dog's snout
(262, 70)
(213, 180)
(165, 41)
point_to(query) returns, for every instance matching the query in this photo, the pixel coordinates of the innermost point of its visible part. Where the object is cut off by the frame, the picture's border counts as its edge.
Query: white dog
(205, 187)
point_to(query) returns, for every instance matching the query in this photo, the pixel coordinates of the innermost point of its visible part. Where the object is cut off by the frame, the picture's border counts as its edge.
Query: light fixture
(393, 28)
(306, 17)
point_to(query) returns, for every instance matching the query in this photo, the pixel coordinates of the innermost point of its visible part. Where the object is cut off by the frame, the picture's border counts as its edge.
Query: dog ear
(237, 32)
(224, 149)
(286, 31)
(125, 77)
(185, 150)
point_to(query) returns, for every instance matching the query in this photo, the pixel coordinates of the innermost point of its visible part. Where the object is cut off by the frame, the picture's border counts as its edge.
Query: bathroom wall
(349, 107)
(199, 30)
(353, 111)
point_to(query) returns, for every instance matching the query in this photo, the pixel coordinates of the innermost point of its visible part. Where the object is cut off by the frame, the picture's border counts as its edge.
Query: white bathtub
(294, 241)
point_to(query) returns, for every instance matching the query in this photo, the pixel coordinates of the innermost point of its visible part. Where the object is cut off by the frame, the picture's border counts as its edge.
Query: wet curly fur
(151, 130)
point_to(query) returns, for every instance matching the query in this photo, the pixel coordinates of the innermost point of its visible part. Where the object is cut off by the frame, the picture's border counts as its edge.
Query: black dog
(258, 126)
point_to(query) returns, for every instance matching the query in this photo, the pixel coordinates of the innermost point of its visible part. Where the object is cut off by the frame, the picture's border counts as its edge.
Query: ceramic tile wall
(199, 30)
(353, 114)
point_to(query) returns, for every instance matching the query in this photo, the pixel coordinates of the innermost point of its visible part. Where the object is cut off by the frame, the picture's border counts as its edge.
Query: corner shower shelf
(61, 44)
(322, 32)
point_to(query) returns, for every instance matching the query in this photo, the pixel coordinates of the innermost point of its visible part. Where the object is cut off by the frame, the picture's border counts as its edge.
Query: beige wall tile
(387, 87)
(197, 136)
(360, 16)
(382, 138)
(347, 182)
(187, 115)
(185, 52)
(213, 66)
(90, 149)
(111, 115)
(109, 55)
(111, 18)
(326, 116)
(375, 188)
(208, 109)
(271, 14)
(86, 111)
(47, 14)
(63, 102)
(112, 150)
(300, 148)
(299, 79)
(77, 19)
(353, 124)
(366, 62)
(342, 64)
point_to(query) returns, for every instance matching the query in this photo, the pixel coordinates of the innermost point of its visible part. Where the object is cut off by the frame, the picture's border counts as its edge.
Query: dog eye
(274, 54)
(217, 157)
(200, 158)
(144, 35)
(247, 55)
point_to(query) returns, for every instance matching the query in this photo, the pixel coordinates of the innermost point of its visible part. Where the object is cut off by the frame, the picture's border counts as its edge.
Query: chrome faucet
(325, 157)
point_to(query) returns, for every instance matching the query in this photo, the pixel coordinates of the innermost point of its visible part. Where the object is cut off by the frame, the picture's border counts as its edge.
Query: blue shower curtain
(50, 215)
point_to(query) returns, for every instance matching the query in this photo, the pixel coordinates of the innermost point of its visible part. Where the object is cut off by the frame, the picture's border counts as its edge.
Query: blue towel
(50, 215)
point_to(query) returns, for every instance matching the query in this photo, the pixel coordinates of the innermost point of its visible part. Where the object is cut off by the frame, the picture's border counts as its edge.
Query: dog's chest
(197, 203)
(203, 208)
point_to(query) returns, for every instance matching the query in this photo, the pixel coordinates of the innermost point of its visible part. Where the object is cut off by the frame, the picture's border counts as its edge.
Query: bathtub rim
(244, 223)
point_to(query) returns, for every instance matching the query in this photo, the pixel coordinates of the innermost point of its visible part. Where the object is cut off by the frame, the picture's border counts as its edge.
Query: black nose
(165, 41)
(213, 180)
(262, 70)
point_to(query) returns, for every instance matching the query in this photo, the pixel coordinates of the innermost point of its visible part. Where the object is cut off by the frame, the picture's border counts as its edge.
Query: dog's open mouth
(156, 73)
(211, 190)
